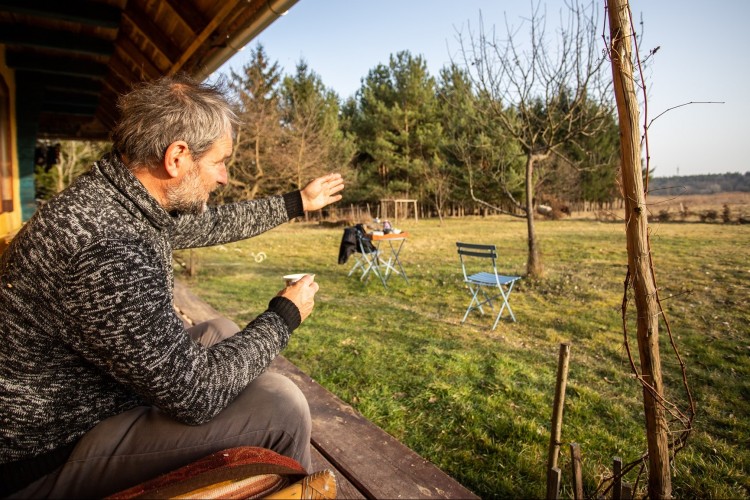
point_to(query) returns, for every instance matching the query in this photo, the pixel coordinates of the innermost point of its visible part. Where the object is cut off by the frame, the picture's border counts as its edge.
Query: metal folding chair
(491, 285)
(367, 255)
(369, 258)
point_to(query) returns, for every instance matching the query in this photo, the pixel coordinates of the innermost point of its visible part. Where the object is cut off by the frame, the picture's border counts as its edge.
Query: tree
(543, 98)
(257, 141)
(595, 162)
(73, 159)
(477, 145)
(399, 134)
(313, 142)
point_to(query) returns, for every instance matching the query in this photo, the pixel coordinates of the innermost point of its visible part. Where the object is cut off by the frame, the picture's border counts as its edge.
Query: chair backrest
(476, 250)
(364, 244)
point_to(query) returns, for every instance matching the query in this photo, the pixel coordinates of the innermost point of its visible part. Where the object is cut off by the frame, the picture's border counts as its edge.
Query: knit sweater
(87, 324)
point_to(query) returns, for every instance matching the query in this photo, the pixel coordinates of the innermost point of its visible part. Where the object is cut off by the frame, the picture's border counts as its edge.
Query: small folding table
(385, 261)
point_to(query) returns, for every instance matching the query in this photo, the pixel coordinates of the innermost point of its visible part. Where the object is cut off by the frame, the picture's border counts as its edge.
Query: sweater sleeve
(235, 221)
(123, 322)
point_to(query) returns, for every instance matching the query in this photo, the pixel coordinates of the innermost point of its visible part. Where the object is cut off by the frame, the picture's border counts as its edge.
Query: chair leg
(505, 295)
(474, 292)
(356, 266)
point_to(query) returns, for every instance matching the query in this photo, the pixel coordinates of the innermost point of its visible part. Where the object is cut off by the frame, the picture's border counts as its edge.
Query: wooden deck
(368, 462)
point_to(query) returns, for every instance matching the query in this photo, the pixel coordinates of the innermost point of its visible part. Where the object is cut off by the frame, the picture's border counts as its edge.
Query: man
(100, 385)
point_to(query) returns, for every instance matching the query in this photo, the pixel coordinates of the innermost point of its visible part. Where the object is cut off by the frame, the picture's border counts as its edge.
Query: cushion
(244, 472)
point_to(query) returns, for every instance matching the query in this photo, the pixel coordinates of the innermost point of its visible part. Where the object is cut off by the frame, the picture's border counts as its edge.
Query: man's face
(193, 190)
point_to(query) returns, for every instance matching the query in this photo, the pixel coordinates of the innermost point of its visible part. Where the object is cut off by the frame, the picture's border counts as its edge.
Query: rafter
(201, 38)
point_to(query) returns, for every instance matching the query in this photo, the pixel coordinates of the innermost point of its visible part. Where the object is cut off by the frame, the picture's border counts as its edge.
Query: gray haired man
(101, 387)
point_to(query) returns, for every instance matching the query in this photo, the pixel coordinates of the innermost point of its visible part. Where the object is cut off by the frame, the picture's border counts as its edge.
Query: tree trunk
(639, 258)
(534, 267)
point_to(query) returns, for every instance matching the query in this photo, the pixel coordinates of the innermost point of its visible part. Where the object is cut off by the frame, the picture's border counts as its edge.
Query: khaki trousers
(143, 443)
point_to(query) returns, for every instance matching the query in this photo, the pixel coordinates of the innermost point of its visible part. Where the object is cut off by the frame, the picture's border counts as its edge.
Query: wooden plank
(78, 11)
(188, 304)
(189, 15)
(373, 460)
(201, 37)
(344, 488)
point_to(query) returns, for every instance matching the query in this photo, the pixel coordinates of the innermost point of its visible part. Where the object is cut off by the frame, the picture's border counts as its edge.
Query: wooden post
(557, 410)
(617, 475)
(575, 464)
(191, 264)
(639, 253)
(627, 491)
(553, 483)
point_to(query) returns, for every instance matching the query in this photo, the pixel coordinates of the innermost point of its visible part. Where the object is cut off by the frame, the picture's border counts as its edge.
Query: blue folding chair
(491, 285)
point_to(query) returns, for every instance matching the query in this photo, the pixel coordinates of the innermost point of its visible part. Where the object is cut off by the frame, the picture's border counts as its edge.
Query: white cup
(293, 278)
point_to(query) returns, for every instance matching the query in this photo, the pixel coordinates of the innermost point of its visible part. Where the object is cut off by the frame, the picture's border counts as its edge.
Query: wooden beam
(68, 109)
(138, 58)
(191, 16)
(70, 97)
(119, 68)
(15, 34)
(116, 84)
(200, 39)
(21, 61)
(81, 84)
(107, 112)
(152, 33)
(78, 11)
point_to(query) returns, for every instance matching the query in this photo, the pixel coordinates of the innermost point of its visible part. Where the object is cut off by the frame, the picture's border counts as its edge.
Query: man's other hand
(322, 192)
(302, 293)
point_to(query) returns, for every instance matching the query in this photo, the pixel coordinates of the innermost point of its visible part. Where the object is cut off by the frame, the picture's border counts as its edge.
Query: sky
(702, 57)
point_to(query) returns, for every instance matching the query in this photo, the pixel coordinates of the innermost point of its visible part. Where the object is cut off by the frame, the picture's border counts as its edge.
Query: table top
(391, 236)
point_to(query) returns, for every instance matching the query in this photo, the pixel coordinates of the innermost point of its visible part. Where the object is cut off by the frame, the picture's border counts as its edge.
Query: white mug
(293, 278)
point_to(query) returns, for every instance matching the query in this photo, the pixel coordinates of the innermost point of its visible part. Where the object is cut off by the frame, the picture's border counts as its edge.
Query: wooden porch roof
(72, 58)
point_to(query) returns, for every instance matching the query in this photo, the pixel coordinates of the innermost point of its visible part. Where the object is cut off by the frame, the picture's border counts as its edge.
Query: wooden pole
(557, 410)
(639, 259)
(575, 464)
(627, 491)
(553, 483)
(617, 483)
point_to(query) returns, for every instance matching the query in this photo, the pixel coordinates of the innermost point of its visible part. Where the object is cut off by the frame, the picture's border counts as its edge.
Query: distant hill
(699, 184)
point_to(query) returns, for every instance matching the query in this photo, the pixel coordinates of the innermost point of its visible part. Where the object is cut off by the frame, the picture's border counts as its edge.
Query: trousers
(143, 443)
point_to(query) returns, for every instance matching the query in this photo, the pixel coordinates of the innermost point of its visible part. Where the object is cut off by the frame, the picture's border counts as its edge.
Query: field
(478, 403)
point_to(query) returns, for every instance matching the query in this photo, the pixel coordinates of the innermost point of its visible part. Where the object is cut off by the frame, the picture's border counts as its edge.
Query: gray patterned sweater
(87, 325)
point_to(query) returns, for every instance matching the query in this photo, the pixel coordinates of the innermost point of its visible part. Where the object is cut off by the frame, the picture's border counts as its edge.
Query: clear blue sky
(703, 56)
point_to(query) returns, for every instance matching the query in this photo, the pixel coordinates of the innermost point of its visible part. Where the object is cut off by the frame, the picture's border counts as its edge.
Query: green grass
(478, 403)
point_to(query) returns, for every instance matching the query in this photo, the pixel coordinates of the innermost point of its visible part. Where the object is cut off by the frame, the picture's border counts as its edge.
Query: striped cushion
(244, 472)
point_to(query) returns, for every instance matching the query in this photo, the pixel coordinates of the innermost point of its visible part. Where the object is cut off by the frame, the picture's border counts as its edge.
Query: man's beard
(183, 198)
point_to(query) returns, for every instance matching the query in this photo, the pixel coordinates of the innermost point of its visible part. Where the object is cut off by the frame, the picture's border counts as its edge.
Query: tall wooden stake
(575, 463)
(639, 263)
(557, 412)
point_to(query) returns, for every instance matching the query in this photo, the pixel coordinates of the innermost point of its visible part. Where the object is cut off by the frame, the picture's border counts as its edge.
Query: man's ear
(177, 158)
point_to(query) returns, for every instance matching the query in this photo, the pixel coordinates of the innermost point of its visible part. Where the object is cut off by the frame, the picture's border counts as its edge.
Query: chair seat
(485, 287)
(489, 279)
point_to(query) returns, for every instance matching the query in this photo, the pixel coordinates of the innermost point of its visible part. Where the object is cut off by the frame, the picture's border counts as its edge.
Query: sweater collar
(128, 184)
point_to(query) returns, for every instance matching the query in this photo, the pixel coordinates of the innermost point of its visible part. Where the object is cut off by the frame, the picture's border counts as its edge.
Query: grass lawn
(478, 403)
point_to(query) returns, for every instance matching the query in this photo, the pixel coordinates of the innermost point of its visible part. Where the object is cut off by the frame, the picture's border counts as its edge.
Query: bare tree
(257, 139)
(313, 143)
(545, 94)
